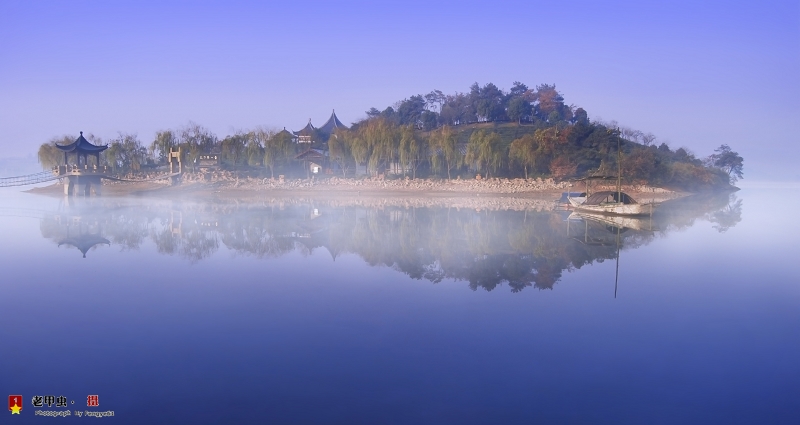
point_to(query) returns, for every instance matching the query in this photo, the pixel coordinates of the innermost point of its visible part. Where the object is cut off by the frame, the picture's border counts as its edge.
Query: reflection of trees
(486, 249)
(728, 216)
(197, 244)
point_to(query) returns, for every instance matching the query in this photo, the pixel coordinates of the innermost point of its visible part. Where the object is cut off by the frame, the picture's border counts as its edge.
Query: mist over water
(309, 311)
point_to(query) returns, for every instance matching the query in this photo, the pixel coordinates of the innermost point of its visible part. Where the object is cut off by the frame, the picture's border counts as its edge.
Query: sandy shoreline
(515, 194)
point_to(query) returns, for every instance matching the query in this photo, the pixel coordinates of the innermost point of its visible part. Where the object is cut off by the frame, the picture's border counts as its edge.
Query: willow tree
(484, 151)
(159, 148)
(196, 139)
(411, 150)
(360, 149)
(254, 150)
(233, 148)
(381, 138)
(49, 155)
(339, 147)
(277, 147)
(126, 153)
(444, 150)
(523, 152)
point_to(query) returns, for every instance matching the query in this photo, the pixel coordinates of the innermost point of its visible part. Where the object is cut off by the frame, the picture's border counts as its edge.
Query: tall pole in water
(619, 169)
(616, 276)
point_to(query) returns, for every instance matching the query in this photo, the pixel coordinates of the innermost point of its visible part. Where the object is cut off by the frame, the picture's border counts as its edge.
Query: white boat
(610, 202)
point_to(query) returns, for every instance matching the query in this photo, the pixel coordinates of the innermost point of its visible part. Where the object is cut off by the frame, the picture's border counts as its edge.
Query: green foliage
(234, 148)
(164, 141)
(340, 151)
(450, 135)
(125, 153)
(728, 161)
(523, 152)
(277, 147)
(518, 108)
(444, 152)
(49, 156)
(484, 151)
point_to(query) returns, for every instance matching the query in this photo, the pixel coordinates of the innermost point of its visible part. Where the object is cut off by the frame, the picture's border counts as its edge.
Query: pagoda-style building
(80, 173)
(308, 134)
(82, 148)
(315, 153)
(332, 125)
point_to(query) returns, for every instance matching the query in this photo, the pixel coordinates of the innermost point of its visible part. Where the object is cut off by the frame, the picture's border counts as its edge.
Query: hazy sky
(695, 73)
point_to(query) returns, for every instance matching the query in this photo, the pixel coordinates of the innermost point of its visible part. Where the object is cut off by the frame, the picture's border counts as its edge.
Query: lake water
(323, 312)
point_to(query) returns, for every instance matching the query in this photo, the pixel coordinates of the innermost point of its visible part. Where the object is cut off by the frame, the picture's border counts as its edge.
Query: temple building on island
(313, 142)
(310, 134)
(307, 135)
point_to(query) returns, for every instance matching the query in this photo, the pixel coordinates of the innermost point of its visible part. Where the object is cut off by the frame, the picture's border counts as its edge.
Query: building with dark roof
(332, 125)
(82, 148)
(308, 134)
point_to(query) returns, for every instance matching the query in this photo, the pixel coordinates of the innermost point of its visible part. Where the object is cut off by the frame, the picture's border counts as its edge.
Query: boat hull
(629, 222)
(615, 208)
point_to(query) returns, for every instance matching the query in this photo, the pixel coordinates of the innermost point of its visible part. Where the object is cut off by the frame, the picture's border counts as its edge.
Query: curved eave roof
(332, 124)
(81, 145)
(308, 130)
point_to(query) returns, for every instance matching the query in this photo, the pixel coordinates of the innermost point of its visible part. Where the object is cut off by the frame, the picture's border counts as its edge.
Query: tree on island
(729, 161)
(444, 150)
(523, 152)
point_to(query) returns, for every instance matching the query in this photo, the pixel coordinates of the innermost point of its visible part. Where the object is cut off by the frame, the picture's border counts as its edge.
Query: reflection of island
(485, 248)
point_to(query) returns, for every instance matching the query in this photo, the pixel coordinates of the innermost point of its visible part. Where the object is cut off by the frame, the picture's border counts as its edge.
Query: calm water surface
(324, 312)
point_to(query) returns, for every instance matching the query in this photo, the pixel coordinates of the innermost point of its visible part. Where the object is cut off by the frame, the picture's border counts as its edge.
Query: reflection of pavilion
(83, 241)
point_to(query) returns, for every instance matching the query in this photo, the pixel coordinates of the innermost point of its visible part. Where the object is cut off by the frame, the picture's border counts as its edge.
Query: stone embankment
(493, 186)
(512, 193)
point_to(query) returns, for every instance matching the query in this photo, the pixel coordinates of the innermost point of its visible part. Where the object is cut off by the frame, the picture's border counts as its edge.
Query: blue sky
(696, 74)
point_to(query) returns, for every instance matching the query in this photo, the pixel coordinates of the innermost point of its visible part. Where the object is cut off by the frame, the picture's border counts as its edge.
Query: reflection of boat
(623, 221)
(614, 226)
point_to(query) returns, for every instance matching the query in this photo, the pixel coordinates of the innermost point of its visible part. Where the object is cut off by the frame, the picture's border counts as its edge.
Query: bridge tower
(175, 165)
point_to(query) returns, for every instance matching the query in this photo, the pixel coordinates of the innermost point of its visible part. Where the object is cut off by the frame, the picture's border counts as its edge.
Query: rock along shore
(494, 193)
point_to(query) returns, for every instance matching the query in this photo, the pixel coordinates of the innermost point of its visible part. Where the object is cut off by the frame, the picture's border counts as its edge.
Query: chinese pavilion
(82, 148)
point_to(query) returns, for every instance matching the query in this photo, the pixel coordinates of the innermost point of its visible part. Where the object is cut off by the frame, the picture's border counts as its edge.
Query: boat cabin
(609, 197)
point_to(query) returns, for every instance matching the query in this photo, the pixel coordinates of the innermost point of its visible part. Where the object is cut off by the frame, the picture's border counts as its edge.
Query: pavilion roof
(332, 124)
(81, 145)
(292, 135)
(308, 130)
